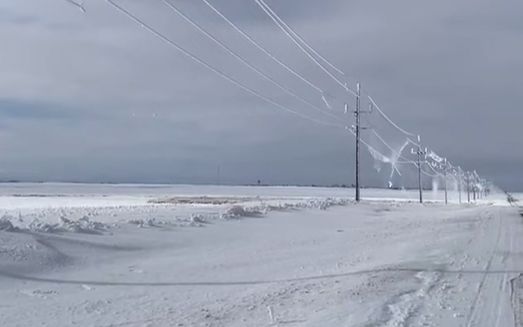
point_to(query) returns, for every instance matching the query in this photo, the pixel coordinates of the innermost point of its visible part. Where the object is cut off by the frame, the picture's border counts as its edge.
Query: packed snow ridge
(177, 211)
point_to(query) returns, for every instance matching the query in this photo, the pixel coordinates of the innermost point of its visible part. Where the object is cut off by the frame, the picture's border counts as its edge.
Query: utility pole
(420, 188)
(474, 187)
(357, 116)
(468, 187)
(460, 181)
(445, 176)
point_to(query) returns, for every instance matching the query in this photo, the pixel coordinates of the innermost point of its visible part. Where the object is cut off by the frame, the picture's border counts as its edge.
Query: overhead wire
(388, 119)
(290, 33)
(261, 48)
(78, 5)
(244, 61)
(302, 40)
(217, 71)
(279, 24)
(296, 38)
(304, 47)
(399, 155)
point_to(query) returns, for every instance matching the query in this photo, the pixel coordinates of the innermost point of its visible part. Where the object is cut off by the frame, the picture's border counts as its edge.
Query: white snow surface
(159, 255)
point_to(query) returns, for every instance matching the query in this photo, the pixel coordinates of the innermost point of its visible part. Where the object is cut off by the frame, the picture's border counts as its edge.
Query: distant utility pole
(474, 187)
(460, 181)
(357, 116)
(468, 187)
(420, 153)
(445, 176)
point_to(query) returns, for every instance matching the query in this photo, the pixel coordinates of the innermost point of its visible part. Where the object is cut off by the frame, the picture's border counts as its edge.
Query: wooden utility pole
(460, 181)
(468, 187)
(420, 186)
(445, 176)
(357, 116)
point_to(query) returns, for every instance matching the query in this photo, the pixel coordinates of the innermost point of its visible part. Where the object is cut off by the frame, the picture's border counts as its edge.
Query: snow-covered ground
(155, 255)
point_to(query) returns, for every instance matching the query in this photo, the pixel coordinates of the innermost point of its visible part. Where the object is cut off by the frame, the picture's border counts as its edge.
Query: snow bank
(6, 225)
(83, 225)
(189, 212)
(95, 209)
(239, 211)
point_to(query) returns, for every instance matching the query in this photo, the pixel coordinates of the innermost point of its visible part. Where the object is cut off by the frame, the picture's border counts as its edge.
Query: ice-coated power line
(324, 99)
(381, 157)
(242, 59)
(300, 39)
(262, 49)
(210, 67)
(382, 139)
(376, 154)
(400, 156)
(301, 47)
(388, 119)
(435, 171)
(297, 38)
(397, 153)
(371, 149)
(434, 156)
(422, 170)
(78, 5)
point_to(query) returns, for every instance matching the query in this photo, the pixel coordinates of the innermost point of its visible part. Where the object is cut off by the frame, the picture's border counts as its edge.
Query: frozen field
(153, 255)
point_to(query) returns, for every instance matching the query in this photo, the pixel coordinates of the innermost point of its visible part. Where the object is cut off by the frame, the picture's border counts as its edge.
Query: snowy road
(373, 264)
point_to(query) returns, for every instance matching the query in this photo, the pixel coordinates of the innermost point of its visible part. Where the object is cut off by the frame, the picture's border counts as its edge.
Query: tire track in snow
(516, 285)
(506, 281)
(407, 304)
(476, 302)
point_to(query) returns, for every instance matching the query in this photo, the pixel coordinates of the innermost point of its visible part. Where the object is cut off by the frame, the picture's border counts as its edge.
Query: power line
(388, 119)
(274, 18)
(261, 48)
(223, 75)
(422, 171)
(434, 170)
(296, 39)
(382, 139)
(400, 156)
(210, 67)
(385, 159)
(243, 60)
(78, 5)
(299, 38)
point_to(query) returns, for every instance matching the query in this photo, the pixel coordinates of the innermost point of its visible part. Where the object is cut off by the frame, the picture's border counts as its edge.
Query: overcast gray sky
(93, 97)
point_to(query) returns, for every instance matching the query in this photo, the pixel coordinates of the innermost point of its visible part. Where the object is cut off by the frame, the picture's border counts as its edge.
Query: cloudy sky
(94, 97)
